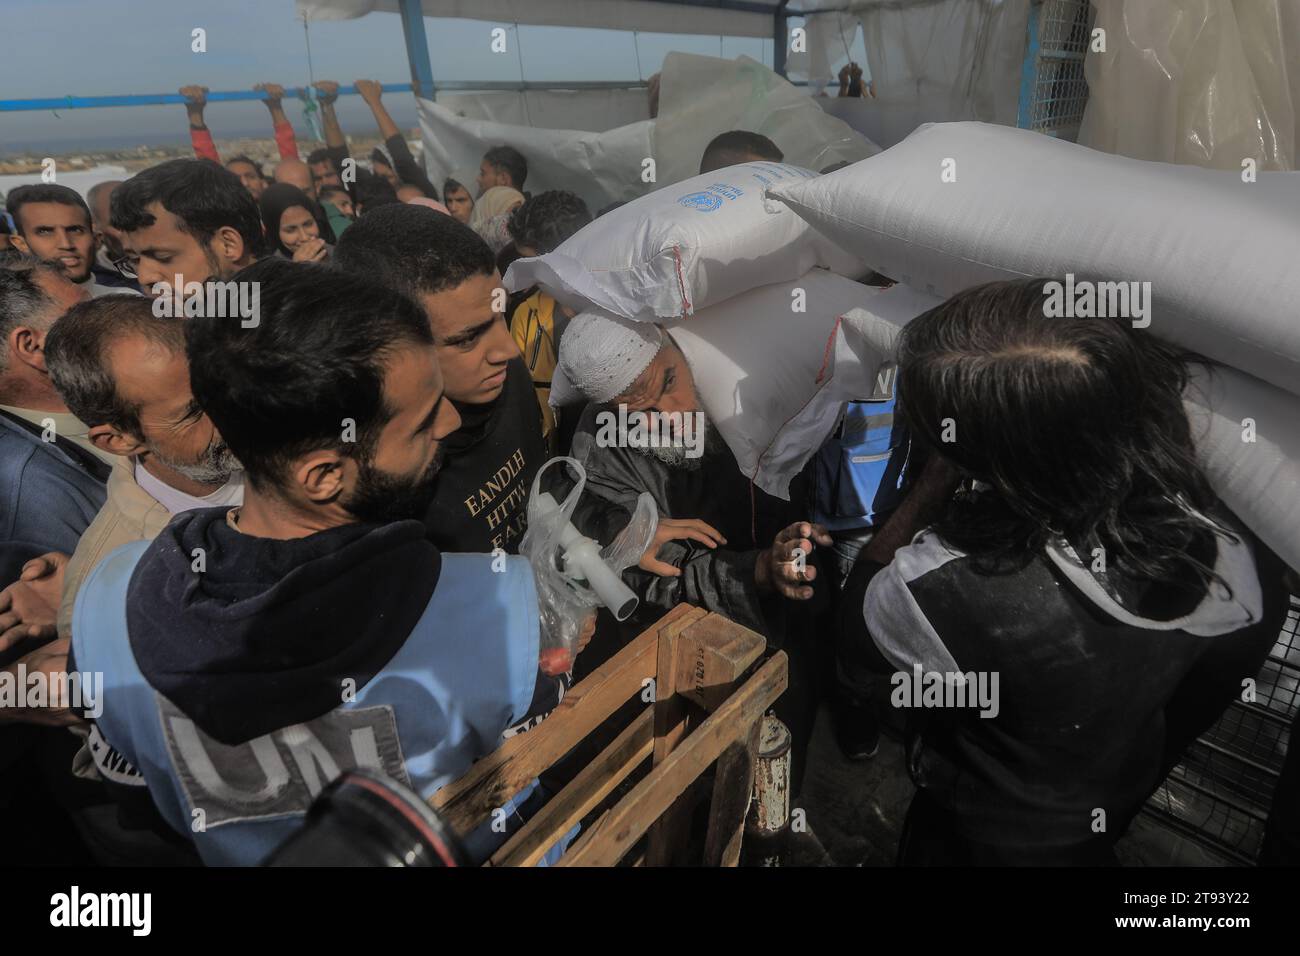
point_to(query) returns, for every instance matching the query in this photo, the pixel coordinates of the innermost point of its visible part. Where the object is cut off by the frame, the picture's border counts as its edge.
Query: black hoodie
(247, 634)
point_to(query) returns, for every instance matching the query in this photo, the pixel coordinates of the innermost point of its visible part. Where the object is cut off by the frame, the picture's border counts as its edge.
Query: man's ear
(323, 475)
(228, 245)
(20, 244)
(27, 345)
(115, 442)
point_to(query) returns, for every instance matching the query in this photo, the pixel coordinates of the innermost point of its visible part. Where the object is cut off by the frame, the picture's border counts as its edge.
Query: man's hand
(29, 608)
(197, 98)
(52, 661)
(677, 529)
(313, 250)
(274, 93)
(777, 568)
(327, 91)
(369, 90)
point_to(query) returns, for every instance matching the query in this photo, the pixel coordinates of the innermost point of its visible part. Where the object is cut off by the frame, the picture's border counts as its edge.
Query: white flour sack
(958, 204)
(775, 380)
(685, 247)
(1248, 443)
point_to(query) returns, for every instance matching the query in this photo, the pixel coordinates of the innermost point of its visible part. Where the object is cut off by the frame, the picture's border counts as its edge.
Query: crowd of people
(289, 541)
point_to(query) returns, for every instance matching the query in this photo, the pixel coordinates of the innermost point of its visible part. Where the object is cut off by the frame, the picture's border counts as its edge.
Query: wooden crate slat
(583, 792)
(619, 829)
(500, 775)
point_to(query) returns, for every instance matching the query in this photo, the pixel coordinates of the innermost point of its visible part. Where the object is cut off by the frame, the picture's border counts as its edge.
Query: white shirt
(228, 495)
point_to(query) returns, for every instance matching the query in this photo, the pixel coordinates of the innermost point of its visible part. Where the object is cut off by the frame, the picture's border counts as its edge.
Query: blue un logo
(703, 202)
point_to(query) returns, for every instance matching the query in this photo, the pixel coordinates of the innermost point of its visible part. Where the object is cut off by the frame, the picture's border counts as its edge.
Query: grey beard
(214, 468)
(674, 456)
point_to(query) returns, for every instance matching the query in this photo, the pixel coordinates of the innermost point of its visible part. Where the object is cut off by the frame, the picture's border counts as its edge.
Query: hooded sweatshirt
(273, 627)
(1082, 689)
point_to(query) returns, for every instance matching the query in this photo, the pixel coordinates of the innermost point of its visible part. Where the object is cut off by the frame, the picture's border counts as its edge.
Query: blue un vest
(464, 675)
(861, 469)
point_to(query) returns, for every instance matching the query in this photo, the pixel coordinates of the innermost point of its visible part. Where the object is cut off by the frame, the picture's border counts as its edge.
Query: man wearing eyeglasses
(184, 221)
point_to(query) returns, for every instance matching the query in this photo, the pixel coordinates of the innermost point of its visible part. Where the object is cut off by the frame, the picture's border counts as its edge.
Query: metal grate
(1053, 91)
(1221, 792)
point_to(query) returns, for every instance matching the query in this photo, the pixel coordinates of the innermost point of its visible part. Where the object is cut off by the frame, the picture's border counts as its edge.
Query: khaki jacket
(129, 514)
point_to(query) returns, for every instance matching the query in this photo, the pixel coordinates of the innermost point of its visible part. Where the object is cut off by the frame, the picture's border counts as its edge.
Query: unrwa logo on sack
(701, 202)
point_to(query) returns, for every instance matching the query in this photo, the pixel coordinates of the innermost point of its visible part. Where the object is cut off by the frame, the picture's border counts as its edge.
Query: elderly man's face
(665, 386)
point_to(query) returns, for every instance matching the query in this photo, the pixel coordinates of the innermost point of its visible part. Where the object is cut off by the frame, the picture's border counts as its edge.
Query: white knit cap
(600, 357)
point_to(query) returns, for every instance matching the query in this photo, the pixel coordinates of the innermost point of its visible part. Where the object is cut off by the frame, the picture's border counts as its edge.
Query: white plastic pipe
(582, 562)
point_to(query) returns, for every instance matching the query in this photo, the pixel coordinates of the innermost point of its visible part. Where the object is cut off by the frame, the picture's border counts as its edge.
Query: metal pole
(780, 38)
(417, 48)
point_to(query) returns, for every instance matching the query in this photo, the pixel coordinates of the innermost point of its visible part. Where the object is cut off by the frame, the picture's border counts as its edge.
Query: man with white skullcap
(645, 431)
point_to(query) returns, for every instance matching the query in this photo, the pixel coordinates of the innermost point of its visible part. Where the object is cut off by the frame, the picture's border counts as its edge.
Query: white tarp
(600, 167)
(700, 96)
(1206, 82)
(590, 110)
(643, 15)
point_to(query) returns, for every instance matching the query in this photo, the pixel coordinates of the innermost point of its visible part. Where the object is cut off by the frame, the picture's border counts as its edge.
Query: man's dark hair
(324, 191)
(738, 146)
(201, 194)
(43, 192)
(316, 357)
(413, 249)
(21, 296)
(510, 160)
(544, 221)
(321, 155)
(371, 191)
(241, 158)
(1077, 424)
(76, 353)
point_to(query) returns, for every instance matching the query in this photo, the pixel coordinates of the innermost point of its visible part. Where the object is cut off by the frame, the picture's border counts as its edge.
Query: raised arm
(408, 170)
(200, 138)
(285, 141)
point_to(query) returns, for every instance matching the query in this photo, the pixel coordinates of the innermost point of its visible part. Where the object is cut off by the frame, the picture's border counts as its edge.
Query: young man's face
(489, 176)
(249, 176)
(156, 381)
(324, 175)
(460, 204)
(164, 250)
(474, 344)
(399, 478)
(58, 234)
(342, 202)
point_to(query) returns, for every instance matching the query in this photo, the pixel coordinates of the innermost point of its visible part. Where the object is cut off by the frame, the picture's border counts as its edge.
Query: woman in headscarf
(492, 212)
(292, 227)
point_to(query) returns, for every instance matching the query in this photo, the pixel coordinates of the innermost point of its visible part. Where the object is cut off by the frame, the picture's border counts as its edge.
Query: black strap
(91, 464)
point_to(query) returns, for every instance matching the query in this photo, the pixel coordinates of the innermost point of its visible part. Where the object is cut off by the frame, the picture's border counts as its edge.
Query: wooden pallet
(690, 668)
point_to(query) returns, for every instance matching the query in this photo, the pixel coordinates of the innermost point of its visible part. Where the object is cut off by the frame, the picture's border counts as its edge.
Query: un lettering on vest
(281, 772)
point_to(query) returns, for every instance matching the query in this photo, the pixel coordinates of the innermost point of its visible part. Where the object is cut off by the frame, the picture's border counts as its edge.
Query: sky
(100, 47)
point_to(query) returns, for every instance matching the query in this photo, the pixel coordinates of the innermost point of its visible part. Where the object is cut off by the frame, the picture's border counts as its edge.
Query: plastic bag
(572, 578)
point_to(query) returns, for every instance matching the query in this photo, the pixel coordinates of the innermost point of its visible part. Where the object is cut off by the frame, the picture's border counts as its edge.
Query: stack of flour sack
(779, 335)
(754, 268)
